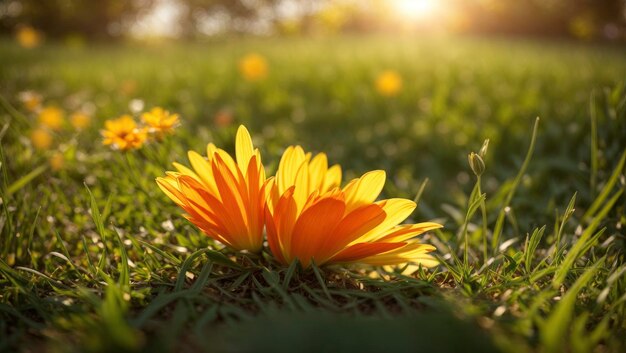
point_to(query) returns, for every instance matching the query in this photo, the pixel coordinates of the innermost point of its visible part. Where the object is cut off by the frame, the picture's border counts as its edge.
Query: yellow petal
(397, 210)
(317, 171)
(358, 252)
(243, 148)
(365, 189)
(332, 178)
(186, 171)
(203, 169)
(288, 167)
(412, 252)
(170, 187)
(301, 183)
(408, 231)
(210, 151)
(230, 162)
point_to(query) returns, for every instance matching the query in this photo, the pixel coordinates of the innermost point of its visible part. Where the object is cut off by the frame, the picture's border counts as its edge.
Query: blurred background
(409, 86)
(113, 19)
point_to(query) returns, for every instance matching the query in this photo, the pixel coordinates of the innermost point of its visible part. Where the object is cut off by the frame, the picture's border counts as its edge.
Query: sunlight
(416, 10)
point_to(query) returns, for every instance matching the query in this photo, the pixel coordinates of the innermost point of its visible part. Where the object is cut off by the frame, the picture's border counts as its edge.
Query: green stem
(483, 210)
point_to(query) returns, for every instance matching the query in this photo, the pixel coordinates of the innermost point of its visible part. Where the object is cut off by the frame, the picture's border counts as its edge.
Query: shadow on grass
(324, 332)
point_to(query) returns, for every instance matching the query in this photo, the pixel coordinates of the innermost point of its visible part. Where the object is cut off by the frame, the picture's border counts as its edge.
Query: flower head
(31, 100)
(28, 37)
(80, 120)
(222, 196)
(122, 133)
(51, 117)
(309, 218)
(160, 121)
(41, 138)
(253, 67)
(388, 83)
(57, 161)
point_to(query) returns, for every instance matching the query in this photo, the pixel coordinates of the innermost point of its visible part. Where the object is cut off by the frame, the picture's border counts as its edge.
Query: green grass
(94, 257)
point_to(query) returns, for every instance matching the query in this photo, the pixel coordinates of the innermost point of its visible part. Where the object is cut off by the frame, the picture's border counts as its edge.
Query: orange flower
(309, 218)
(253, 67)
(52, 117)
(122, 133)
(57, 161)
(80, 120)
(160, 121)
(28, 37)
(388, 83)
(41, 138)
(223, 197)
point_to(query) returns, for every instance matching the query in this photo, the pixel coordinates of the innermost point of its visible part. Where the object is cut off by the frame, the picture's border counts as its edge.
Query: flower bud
(476, 163)
(483, 150)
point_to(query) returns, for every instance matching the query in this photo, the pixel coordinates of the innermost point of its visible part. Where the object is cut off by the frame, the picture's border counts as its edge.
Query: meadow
(94, 257)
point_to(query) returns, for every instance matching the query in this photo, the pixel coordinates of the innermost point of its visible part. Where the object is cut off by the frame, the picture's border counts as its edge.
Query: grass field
(94, 257)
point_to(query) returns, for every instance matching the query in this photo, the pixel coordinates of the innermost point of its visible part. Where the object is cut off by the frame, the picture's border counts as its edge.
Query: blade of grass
(507, 201)
(420, 191)
(531, 247)
(606, 190)
(124, 279)
(554, 329)
(97, 219)
(23, 181)
(585, 241)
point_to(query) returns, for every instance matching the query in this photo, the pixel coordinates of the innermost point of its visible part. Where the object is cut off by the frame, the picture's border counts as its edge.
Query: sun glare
(416, 9)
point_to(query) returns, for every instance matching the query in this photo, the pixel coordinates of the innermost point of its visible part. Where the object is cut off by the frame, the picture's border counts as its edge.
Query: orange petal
(284, 219)
(352, 226)
(314, 226)
(232, 194)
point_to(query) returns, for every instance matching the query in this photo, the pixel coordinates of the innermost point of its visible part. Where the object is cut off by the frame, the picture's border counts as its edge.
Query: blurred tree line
(62, 18)
(114, 18)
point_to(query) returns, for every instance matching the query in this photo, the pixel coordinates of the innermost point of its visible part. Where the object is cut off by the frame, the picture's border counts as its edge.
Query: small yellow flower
(51, 117)
(31, 100)
(388, 83)
(57, 161)
(123, 134)
(80, 120)
(309, 218)
(222, 196)
(41, 138)
(28, 37)
(160, 121)
(253, 67)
